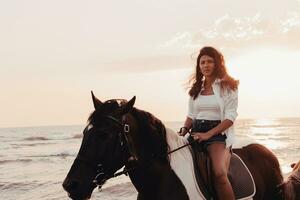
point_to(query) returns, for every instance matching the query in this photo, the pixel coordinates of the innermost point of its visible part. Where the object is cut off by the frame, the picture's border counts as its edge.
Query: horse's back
(265, 169)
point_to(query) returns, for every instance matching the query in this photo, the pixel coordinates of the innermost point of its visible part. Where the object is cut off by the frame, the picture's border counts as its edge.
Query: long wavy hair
(196, 80)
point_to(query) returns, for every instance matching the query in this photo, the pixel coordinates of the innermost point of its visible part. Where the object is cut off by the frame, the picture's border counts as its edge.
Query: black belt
(203, 125)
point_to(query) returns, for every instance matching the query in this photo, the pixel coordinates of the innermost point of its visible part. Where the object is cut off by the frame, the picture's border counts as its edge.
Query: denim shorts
(201, 125)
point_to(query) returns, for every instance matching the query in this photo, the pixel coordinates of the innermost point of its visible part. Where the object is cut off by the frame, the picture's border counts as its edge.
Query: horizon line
(53, 125)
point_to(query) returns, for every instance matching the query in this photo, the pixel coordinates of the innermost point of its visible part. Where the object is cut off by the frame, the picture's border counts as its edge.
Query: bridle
(101, 177)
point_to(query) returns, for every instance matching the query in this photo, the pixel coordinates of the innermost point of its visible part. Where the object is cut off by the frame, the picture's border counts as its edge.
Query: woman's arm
(230, 113)
(189, 119)
(220, 128)
(215, 131)
(186, 127)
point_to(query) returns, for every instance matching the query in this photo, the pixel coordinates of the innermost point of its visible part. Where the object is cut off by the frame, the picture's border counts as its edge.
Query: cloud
(235, 34)
(232, 35)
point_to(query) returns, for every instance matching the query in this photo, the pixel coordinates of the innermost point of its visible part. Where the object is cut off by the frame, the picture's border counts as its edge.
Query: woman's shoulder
(229, 85)
(230, 93)
(227, 91)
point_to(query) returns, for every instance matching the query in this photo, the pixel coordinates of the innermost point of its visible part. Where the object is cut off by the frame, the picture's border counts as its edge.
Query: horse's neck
(159, 179)
(175, 178)
(152, 180)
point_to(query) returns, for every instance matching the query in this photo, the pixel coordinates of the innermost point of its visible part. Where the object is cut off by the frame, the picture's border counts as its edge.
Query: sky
(53, 53)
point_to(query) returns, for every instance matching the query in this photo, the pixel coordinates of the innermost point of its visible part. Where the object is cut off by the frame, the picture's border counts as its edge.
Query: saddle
(239, 176)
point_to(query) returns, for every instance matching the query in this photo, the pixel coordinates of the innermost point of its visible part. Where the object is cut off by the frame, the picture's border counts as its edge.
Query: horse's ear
(128, 106)
(97, 102)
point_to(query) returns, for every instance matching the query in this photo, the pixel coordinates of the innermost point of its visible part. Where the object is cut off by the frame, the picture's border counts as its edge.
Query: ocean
(35, 160)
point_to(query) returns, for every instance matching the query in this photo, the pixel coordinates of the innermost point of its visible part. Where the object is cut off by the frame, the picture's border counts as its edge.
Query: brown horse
(120, 135)
(291, 187)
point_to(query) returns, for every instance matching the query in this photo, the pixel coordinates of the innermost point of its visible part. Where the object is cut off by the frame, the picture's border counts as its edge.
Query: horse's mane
(152, 137)
(152, 141)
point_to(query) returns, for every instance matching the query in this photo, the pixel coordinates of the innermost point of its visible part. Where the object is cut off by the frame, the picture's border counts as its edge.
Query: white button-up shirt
(228, 102)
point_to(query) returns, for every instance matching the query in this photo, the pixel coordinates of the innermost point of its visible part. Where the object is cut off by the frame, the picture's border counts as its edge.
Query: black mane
(152, 136)
(152, 132)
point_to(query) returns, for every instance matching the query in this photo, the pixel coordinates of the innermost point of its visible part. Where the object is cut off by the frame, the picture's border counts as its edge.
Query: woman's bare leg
(220, 158)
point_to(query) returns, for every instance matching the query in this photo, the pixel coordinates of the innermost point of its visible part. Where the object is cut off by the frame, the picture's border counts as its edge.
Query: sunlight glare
(267, 72)
(268, 81)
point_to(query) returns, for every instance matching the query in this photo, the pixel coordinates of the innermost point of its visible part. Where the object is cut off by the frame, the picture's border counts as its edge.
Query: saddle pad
(240, 178)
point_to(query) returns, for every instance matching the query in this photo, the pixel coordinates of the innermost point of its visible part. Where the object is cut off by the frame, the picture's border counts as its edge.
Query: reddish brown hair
(219, 72)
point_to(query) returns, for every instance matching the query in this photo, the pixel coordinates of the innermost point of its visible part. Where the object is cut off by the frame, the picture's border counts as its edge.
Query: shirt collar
(218, 80)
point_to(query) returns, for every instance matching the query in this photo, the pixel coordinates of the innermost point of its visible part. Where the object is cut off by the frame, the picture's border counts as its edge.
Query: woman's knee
(220, 176)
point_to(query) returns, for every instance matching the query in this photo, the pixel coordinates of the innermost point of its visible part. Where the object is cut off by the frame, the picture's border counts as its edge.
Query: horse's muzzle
(73, 190)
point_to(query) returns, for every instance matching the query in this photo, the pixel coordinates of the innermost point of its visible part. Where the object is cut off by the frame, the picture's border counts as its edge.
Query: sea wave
(77, 136)
(16, 160)
(61, 155)
(42, 138)
(281, 125)
(31, 144)
(118, 191)
(18, 185)
(35, 138)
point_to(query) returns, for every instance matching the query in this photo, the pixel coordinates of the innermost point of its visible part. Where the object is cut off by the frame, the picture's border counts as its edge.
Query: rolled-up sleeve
(191, 111)
(231, 105)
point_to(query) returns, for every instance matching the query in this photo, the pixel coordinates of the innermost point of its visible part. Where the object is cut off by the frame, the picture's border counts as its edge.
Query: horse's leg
(265, 170)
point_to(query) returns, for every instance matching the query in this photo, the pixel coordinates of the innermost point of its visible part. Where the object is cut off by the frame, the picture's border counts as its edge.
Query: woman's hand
(201, 136)
(183, 131)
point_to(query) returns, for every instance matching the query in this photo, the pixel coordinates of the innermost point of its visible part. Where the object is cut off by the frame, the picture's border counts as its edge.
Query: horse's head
(103, 148)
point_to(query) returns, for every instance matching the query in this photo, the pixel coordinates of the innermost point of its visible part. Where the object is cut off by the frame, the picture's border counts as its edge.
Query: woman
(212, 110)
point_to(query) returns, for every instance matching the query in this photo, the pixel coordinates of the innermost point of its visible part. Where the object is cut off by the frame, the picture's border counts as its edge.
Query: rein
(125, 170)
(100, 178)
